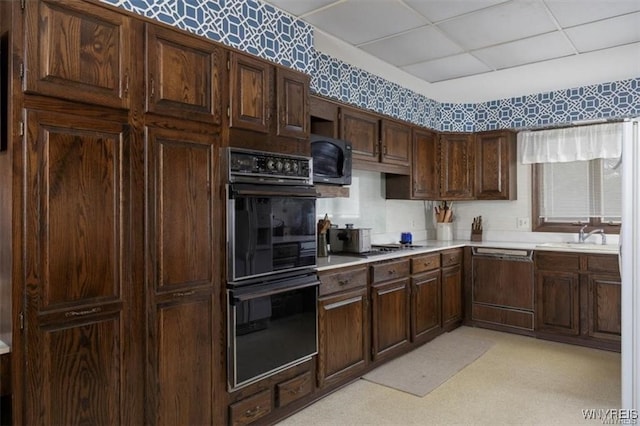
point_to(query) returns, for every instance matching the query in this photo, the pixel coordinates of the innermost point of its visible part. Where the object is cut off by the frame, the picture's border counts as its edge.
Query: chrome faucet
(582, 236)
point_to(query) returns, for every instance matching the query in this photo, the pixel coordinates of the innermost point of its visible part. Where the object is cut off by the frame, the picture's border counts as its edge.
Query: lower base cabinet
(578, 299)
(451, 288)
(389, 308)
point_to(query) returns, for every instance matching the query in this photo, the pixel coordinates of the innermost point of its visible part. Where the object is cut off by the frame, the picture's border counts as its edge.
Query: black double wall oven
(272, 286)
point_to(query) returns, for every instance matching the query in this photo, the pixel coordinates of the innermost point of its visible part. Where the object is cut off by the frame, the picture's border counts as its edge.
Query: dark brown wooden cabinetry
(271, 103)
(424, 181)
(395, 143)
(451, 263)
(495, 165)
(183, 75)
(362, 129)
(457, 166)
(502, 289)
(343, 325)
(184, 277)
(78, 295)
(426, 297)
(389, 307)
(80, 52)
(578, 298)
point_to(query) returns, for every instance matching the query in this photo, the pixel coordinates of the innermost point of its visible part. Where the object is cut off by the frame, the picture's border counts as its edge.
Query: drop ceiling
(443, 40)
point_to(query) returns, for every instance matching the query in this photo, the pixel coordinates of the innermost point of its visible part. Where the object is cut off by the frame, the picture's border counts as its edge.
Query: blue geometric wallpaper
(248, 25)
(264, 31)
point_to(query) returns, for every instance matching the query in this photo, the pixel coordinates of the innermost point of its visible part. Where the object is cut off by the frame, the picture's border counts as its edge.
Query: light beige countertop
(335, 260)
(4, 348)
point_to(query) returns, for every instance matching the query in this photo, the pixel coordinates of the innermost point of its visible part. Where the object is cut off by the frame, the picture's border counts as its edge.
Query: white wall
(367, 207)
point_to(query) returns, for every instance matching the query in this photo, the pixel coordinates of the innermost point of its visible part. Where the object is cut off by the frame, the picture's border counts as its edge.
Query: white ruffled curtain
(581, 143)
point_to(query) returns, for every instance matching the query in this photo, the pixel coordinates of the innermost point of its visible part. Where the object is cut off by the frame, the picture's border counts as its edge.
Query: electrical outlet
(523, 223)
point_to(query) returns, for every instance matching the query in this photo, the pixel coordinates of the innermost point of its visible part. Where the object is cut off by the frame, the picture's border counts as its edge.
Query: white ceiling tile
(300, 7)
(418, 45)
(608, 33)
(359, 21)
(499, 24)
(534, 49)
(437, 10)
(575, 12)
(447, 68)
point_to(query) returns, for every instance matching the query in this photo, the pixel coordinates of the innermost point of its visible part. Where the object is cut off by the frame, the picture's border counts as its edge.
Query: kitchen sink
(613, 248)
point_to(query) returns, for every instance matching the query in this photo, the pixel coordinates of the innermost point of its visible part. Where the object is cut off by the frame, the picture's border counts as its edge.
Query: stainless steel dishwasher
(502, 288)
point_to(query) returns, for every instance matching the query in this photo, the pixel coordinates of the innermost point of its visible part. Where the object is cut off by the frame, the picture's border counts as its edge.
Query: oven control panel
(261, 166)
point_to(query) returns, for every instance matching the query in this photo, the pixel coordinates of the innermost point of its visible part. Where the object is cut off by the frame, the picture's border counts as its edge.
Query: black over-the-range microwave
(331, 160)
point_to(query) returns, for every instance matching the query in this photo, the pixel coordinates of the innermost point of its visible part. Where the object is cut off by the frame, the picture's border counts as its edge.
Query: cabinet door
(183, 277)
(343, 329)
(426, 180)
(362, 130)
(292, 92)
(251, 83)
(451, 295)
(604, 314)
(456, 166)
(495, 166)
(183, 75)
(426, 312)
(557, 302)
(81, 327)
(390, 316)
(79, 51)
(396, 143)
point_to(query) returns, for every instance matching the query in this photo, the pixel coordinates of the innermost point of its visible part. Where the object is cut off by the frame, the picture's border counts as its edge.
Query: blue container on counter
(406, 238)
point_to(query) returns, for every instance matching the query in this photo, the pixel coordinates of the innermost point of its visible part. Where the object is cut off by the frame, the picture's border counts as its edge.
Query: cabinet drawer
(451, 257)
(389, 270)
(502, 316)
(344, 279)
(558, 261)
(293, 389)
(603, 263)
(250, 409)
(425, 263)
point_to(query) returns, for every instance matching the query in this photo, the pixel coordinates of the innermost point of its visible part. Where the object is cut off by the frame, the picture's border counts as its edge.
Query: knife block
(476, 235)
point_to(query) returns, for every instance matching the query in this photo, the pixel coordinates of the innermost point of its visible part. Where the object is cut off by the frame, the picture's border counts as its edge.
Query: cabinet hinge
(228, 112)
(21, 128)
(22, 5)
(228, 65)
(21, 71)
(21, 316)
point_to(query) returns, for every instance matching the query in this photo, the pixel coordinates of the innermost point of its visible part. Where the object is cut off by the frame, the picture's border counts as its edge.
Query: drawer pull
(252, 412)
(183, 293)
(392, 271)
(343, 282)
(83, 313)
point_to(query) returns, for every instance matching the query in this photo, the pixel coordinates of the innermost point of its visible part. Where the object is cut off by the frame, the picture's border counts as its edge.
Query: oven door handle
(272, 190)
(242, 296)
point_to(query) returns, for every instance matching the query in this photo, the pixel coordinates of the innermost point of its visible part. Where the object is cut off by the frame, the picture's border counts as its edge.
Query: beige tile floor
(520, 380)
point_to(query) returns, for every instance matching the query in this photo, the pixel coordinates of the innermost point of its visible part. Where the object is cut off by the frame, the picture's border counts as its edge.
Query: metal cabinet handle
(83, 313)
(252, 412)
(183, 293)
(343, 282)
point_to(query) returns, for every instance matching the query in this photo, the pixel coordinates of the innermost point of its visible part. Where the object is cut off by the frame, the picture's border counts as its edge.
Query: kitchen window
(576, 177)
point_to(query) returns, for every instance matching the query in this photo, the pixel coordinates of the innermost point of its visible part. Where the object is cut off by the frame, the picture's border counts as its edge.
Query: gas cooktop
(379, 249)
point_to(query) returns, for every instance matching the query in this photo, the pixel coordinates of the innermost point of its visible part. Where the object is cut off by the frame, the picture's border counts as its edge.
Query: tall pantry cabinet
(116, 302)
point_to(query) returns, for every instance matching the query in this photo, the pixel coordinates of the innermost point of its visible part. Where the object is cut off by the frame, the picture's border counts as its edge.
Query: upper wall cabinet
(362, 129)
(457, 161)
(496, 174)
(183, 75)
(266, 112)
(424, 182)
(292, 103)
(395, 143)
(250, 85)
(80, 52)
